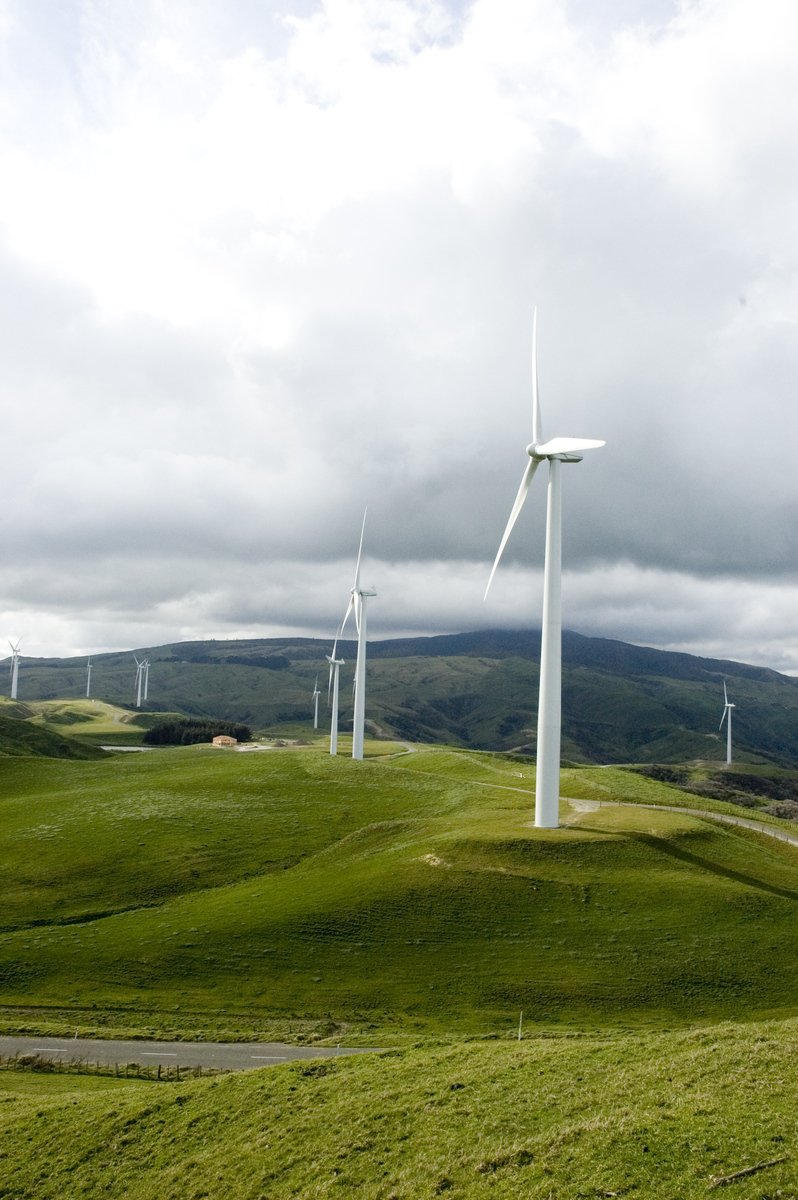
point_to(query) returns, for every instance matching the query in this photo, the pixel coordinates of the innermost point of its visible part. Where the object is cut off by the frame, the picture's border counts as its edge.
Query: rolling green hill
(621, 703)
(650, 1116)
(405, 901)
(212, 892)
(22, 734)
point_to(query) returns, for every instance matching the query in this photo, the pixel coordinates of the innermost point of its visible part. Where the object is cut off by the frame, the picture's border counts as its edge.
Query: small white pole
(520, 1024)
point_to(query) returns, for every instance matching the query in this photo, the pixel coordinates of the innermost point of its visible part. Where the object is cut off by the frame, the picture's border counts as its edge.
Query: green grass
(94, 721)
(404, 901)
(194, 891)
(655, 1116)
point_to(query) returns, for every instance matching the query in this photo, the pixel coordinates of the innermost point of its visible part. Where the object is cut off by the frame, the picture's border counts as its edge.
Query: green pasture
(203, 892)
(94, 721)
(655, 1116)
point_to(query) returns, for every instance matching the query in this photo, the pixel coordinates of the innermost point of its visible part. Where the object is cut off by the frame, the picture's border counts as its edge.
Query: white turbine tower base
(727, 716)
(357, 604)
(88, 679)
(316, 694)
(335, 664)
(139, 680)
(556, 452)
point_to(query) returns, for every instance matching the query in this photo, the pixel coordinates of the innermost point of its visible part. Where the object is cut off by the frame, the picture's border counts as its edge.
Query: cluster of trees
(190, 732)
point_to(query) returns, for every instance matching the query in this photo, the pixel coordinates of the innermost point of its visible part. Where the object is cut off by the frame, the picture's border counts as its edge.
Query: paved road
(226, 1056)
(774, 831)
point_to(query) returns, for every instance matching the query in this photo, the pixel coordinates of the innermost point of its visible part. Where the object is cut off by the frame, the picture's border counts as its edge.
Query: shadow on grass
(665, 846)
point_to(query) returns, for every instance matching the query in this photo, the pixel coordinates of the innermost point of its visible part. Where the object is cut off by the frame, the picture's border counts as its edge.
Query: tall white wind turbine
(14, 669)
(357, 604)
(88, 679)
(335, 664)
(146, 671)
(557, 451)
(727, 716)
(316, 694)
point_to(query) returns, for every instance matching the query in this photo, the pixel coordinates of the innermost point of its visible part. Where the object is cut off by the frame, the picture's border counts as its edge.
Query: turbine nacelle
(566, 449)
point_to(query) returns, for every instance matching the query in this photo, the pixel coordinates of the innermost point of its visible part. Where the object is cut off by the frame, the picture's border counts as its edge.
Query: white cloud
(261, 266)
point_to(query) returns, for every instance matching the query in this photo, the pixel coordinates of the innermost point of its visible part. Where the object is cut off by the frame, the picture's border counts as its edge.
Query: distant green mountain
(621, 703)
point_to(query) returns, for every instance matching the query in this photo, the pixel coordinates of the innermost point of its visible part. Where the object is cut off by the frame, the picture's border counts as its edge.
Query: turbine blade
(537, 432)
(566, 445)
(329, 680)
(528, 476)
(342, 626)
(723, 718)
(725, 695)
(358, 599)
(360, 550)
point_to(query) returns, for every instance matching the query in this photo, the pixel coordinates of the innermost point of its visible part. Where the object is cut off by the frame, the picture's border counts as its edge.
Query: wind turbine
(557, 451)
(88, 679)
(335, 663)
(727, 707)
(316, 694)
(139, 680)
(357, 603)
(146, 670)
(14, 669)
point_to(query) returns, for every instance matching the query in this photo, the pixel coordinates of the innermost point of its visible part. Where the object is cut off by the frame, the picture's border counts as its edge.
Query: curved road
(774, 831)
(221, 1056)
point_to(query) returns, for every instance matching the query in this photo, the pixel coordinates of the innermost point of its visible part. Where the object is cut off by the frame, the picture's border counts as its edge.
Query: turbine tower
(139, 680)
(357, 603)
(316, 694)
(88, 679)
(727, 707)
(557, 451)
(146, 671)
(335, 663)
(14, 669)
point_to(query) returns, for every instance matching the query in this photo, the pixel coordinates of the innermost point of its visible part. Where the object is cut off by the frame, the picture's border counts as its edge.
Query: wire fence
(156, 1072)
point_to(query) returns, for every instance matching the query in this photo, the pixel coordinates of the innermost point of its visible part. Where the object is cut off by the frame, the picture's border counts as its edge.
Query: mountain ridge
(477, 689)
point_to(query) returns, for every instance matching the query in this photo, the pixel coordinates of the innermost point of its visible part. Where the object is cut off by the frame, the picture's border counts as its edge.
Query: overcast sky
(265, 263)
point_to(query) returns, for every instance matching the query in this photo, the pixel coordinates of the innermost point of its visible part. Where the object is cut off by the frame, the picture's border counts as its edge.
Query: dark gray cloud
(261, 267)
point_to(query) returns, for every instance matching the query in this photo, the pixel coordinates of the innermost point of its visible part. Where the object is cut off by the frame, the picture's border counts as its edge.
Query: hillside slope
(214, 892)
(648, 1116)
(20, 735)
(621, 703)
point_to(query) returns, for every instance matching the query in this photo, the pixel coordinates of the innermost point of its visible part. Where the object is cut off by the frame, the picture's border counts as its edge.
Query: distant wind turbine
(316, 694)
(139, 680)
(357, 604)
(88, 679)
(727, 707)
(335, 663)
(556, 452)
(146, 667)
(14, 669)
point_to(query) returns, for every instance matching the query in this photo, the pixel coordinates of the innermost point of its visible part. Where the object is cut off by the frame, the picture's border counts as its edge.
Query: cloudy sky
(266, 262)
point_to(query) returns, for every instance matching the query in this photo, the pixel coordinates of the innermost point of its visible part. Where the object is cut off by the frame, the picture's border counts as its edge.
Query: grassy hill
(621, 703)
(211, 893)
(22, 734)
(407, 902)
(654, 1116)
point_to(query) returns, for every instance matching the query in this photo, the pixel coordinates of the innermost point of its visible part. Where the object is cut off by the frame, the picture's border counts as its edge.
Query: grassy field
(94, 721)
(206, 893)
(406, 902)
(657, 1116)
